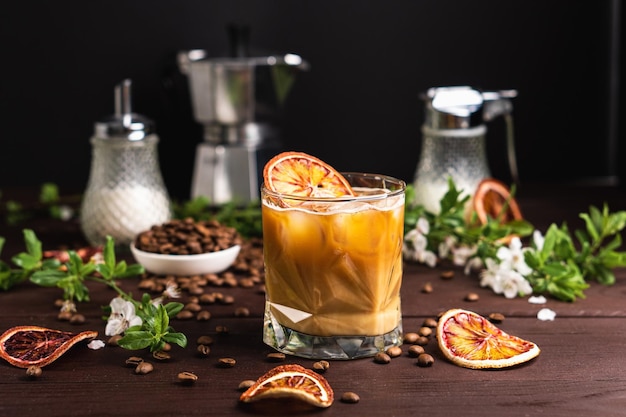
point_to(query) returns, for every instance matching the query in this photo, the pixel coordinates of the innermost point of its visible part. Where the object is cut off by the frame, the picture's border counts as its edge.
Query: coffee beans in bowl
(186, 247)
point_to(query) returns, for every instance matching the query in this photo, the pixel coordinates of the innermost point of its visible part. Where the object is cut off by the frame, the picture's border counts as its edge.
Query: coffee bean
(472, 297)
(496, 317)
(144, 368)
(321, 366)
(430, 322)
(221, 329)
(411, 337)
(242, 312)
(114, 339)
(187, 377)
(204, 350)
(65, 315)
(350, 397)
(425, 331)
(205, 340)
(33, 371)
(245, 384)
(415, 350)
(161, 355)
(275, 357)
(184, 315)
(425, 360)
(447, 274)
(427, 288)
(203, 315)
(193, 307)
(226, 362)
(133, 361)
(382, 357)
(77, 319)
(394, 351)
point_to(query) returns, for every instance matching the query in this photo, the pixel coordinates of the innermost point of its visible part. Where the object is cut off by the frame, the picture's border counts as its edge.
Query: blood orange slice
(24, 346)
(492, 199)
(291, 381)
(470, 340)
(300, 174)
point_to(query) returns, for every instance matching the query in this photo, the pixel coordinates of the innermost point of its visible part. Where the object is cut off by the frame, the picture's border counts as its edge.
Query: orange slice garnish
(470, 340)
(492, 199)
(25, 346)
(300, 174)
(292, 382)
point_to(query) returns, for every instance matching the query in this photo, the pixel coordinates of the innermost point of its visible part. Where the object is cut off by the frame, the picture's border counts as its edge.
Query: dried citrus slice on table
(300, 174)
(493, 199)
(291, 381)
(470, 340)
(25, 346)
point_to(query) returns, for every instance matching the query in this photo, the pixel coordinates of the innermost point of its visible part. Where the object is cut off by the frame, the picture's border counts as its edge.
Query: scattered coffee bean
(161, 355)
(449, 274)
(187, 378)
(204, 350)
(350, 397)
(221, 329)
(321, 366)
(114, 339)
(422, 341)
(144, 368)
(59, 302)
(184, 315)
(430, 322)
(205, 340)
(33, 372)
(77, 319)
(166, 347)
(65, 315)
(472, 297)
(203, 315)
(242, 312)
(496, 317)
(415, 350)
(425, 360)
(193, 307)
(227, 300)
(382, 357)
(275, 357)
(394, 351)
(425, 331)
(427, 288)
(226, 362)
(411, 337)
(133, 361)
(245, 384)
(207, 298)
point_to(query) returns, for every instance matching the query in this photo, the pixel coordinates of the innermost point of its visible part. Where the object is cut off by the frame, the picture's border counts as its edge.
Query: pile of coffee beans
(187, 237)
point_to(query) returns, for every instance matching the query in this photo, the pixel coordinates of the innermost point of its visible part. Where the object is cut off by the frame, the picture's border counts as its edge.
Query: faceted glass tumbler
(333, 270)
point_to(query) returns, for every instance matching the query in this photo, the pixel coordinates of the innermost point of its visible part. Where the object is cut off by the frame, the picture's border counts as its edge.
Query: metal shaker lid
(464, 107)
(124, 123)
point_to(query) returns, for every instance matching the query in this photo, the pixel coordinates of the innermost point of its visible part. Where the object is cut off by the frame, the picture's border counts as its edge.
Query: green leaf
(178, 338)
(48, 278)
(136, 340)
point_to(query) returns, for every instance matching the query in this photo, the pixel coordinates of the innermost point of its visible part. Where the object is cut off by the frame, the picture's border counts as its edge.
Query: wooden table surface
(581, 370)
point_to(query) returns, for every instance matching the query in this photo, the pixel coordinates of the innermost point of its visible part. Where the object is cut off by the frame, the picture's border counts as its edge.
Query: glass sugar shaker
(454, 141)
(125, 192)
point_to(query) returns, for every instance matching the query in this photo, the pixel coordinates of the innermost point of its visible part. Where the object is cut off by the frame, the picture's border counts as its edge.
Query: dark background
(358, 107)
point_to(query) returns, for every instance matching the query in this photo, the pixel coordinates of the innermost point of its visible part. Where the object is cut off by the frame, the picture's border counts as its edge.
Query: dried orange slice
(24, 346)
(300, 174)
(470, 340)
(492, 199)
(291, 381)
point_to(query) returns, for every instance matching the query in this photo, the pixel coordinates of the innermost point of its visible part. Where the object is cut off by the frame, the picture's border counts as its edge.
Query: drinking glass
(333, 270)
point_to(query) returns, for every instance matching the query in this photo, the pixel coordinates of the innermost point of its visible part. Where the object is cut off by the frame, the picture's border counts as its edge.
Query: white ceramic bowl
(204, 263)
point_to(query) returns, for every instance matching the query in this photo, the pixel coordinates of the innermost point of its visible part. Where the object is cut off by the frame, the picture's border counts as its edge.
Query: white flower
(446, 246)
(171, 290)
(422, 226)
(504, 280)
(96, 344)
(414, 248)
(539, 299)
(461, 254)
(538, 240)
(513, 257)
(122, 317)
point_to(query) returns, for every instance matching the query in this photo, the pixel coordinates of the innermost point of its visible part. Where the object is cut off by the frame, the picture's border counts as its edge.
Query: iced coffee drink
(334, 269)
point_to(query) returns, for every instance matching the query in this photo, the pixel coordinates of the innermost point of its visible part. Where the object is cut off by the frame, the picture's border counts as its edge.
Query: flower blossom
(504, 280)
(513, 257)
(122, 317)
(415, 244)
